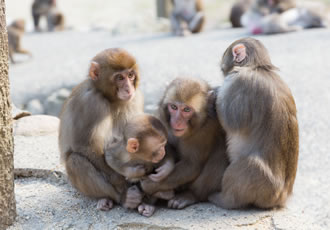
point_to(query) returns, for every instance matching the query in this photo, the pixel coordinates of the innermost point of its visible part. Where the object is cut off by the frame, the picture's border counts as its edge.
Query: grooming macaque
(258, 112)
(237, 10)
(15, 33)
(48, 9)
(140, 152)
(197, 141)
(291, 20)
(98, 110)
(276, 16)
(187, 17)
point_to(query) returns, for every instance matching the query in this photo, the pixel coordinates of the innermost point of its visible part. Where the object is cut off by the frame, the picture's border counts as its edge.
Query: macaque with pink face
(140, 153)
(196, 140)
(96, 111)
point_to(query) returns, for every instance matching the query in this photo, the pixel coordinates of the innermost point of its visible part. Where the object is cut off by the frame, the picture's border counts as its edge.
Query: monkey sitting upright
(187, 17)
(140, 152)
(47, 8)
(15, 33)
(258, 112)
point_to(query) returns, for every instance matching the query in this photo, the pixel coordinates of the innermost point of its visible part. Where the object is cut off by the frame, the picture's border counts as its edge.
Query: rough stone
(36, 125)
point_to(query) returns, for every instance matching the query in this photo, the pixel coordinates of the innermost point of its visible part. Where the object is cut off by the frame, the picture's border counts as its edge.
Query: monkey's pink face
(125, 84)
(180, 115)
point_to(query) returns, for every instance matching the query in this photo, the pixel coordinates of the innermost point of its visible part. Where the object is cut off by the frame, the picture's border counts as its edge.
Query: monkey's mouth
(178, 132)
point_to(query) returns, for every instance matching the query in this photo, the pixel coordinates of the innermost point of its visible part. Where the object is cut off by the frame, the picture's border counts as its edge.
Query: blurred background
(53, 67)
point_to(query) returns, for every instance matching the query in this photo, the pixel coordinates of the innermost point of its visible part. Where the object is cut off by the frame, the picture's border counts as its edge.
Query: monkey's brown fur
(142, 128)
(92, 115)
(237, 10)
(48, 9)
(200, 153)
(15, 33)
(187, 16)
(258, 113)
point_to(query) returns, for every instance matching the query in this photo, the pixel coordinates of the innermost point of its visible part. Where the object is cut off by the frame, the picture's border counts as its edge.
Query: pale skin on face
(124, 81)
(180, 116)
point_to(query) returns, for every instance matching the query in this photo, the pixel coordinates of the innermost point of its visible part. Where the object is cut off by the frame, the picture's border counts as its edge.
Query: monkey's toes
(104, 204)
(146, 209)
(179, 203)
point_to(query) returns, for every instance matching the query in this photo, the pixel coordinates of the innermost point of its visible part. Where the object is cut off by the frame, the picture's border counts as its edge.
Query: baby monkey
(141, 153)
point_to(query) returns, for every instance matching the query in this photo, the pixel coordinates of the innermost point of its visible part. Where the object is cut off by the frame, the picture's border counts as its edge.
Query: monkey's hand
(162, 171)
(165, 195)
(133, 197)
(135, 172)
(149, 187)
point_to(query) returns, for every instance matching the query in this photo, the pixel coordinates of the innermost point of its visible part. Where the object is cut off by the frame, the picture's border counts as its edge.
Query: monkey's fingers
(146, 209)
(157, 177)
(104, 204)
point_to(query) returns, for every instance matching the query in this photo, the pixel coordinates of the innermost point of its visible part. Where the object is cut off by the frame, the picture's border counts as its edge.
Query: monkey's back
(261, 104)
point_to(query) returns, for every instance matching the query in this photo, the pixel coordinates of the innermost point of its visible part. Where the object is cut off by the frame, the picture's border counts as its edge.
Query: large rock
(36, 125)
(17, 113)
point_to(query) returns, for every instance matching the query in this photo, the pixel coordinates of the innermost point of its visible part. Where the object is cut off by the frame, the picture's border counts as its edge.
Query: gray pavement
(61, 59)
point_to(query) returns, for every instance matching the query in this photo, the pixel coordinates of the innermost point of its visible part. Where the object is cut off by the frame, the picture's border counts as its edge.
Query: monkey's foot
(196, 22)
(146, 209)
(218, 200)
(165, 195)
(104, 204)
(181, 201)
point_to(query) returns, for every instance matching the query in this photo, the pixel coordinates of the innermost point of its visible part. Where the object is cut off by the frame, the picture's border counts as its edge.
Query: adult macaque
(48, 9)
(260, 10)
(258, 112)
(97, 111)
(237, 10)
(187, 17)
(15, 33)
(197, 141)
(139, 152)
(295, 19)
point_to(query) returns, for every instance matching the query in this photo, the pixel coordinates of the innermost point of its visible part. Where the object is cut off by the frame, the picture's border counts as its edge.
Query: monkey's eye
(187, 109)
(174, 107)
(119, 77)
(131, 75)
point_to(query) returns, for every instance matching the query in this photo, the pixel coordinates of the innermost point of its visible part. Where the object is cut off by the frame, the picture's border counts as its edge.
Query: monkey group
(40, 8)
(274, 16)
(235, 145)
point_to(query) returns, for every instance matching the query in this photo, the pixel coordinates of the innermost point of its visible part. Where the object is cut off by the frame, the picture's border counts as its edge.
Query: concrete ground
(62, 59)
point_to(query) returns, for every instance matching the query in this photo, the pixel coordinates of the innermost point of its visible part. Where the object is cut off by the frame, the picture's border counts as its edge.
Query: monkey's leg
(176, 25)
(36, 19)
(11, 55)
(23, 51)
(90, 181)
(182, 200)
(248, 181)
(196, 23)
(165, 195)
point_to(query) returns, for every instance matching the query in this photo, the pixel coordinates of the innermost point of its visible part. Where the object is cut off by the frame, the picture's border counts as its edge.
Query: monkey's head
(114, 72)
(19, 24)
(145, 137)
(184, 105)
(247, 52)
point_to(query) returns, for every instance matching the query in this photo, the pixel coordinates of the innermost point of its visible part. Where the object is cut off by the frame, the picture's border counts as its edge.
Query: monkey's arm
(185, 171)
(128, 170)
(164, 168)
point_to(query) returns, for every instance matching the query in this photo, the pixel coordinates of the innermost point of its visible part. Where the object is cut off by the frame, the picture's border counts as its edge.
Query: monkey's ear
(132, 145)
(239, 53)
(94, 70)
